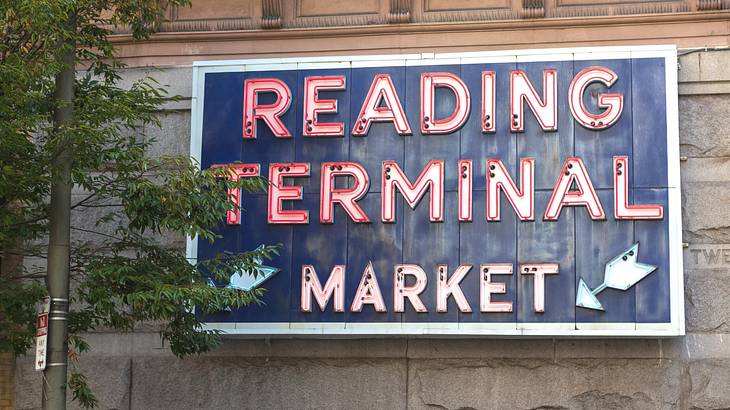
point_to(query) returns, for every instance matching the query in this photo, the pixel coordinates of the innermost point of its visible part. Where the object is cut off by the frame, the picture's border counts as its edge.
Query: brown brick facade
(7, 384)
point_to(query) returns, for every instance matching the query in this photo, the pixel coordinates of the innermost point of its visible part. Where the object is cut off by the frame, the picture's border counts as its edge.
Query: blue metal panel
(419, 148)
(650, 123)
(382, 141)
(323, 246)
(547, 241)
(222, 119)
(548, 147)
(222, 130)
(478, 146)
(596, 243)
(265, 148)
(489, 242)
(427, 245)
(254, 232)
(229, 239)
(381, 244)
(597, 148)
(316, 150)
(581, 246)
(652, 293)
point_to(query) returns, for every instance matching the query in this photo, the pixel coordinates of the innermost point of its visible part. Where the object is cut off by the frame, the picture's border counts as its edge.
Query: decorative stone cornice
(271, 14)
(710, 5)
(400, 11)
(527, 30)
(432, 28)
(532, 9)
(229, 15)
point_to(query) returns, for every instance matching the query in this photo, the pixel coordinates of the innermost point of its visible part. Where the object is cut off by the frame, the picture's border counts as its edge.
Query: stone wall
(136, 370)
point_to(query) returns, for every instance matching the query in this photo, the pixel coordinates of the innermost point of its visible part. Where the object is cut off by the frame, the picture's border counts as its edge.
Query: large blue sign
(488, 193)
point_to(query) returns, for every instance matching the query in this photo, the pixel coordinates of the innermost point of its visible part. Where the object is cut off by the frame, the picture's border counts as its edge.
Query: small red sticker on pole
(44, 307)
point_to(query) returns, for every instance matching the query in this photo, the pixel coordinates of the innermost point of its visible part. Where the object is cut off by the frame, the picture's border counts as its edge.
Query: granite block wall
(137, 371)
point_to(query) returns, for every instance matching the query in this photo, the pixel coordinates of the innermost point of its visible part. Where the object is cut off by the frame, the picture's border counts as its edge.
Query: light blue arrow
(622, 272)
(246, 280)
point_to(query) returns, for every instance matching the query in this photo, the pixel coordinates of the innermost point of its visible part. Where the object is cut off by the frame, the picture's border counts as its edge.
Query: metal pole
(57, 280)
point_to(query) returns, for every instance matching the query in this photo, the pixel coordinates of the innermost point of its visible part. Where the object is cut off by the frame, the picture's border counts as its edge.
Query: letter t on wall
(234, 173)
(539, 270)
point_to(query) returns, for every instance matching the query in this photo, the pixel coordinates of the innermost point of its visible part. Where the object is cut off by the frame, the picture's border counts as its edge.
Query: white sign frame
(675, 327)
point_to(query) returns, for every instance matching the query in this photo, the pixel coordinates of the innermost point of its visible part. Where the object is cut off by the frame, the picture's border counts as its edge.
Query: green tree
(63, 128)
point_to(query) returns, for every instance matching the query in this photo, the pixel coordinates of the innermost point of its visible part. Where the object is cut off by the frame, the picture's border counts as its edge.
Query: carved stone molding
(709, 5)
(400, 11)
(271, 14)
(686, 30)
(591, 8)
(444, 11)
(532, 9)
(341, 13)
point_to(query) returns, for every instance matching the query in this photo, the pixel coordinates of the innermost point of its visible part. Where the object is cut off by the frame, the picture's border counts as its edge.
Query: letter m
(335, 285)
(431, 178)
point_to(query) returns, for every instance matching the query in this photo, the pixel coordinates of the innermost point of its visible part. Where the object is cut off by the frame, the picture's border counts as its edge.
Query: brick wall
(7, 383)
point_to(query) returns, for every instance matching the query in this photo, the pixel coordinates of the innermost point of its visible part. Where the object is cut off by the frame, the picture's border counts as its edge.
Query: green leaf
(82, 394)
(127, 263)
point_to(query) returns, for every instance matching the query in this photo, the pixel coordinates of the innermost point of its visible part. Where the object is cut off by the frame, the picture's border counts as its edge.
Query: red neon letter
(539, 270)
(335, 285)
(614, 103)
(270, 113)
(522, 90)
(465, 190)
(234, 172)
(573, 171)
(432, 177)
(346, 197)
(487, 287)
(429, 123)
(401, 291)
(279, 193)
(450, 286)
(621, 207)
(381, 89)
(314, 106)
(522, 200)
(488, 104)
(368, 292)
